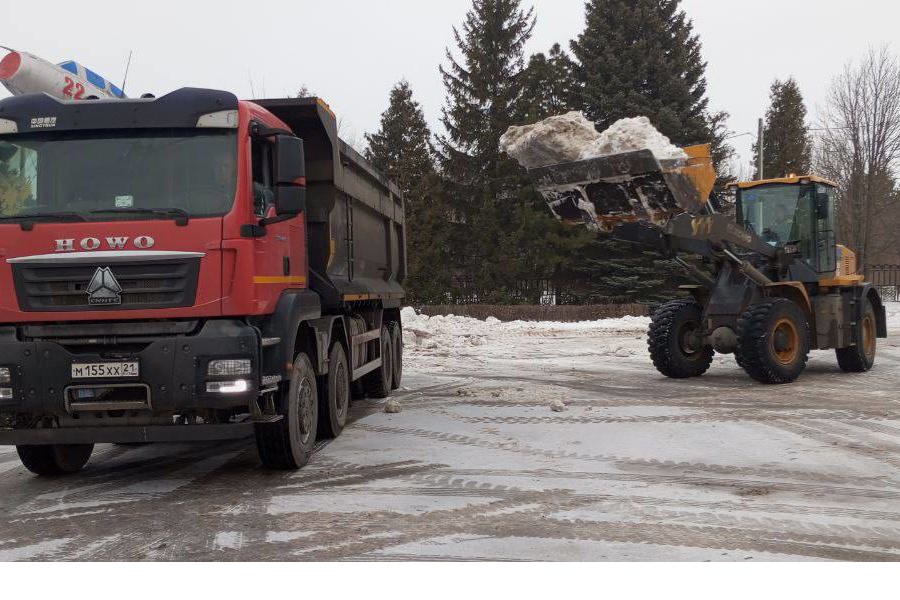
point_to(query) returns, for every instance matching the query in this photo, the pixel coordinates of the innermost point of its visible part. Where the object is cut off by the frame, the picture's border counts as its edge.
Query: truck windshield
(778, 213)
(117, 175)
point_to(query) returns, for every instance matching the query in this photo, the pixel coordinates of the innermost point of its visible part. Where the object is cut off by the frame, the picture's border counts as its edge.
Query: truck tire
(378, 382)
(59, 459)
(671, 355)
(334, 394)
(861, 357)
(773, 341)
(397, 345)
(288, 444)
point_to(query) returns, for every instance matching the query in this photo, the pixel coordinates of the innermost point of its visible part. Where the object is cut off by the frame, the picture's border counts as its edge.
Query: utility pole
(761, 142)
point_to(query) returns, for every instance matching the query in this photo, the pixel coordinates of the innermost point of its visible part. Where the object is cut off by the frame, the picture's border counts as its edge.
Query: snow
(893, 314)
(572, 137)
(433, 340)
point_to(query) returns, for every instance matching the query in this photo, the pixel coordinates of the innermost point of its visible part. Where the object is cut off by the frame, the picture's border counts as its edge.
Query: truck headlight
(5, 375)
(228, 387)
(6, 394)
(229, 367)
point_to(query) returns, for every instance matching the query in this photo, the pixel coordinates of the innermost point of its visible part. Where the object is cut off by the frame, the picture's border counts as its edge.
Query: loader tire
(48, 461)
(287, 445)
(334, 394)
(378, 383)
(773, 341)
(860, 358)
(670, 330)
(397, 358)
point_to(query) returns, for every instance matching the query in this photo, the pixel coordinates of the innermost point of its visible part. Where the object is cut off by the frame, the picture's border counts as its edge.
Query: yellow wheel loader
(780, 285)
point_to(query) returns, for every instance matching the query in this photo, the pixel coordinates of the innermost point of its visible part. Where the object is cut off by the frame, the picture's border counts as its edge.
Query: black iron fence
(886, 278)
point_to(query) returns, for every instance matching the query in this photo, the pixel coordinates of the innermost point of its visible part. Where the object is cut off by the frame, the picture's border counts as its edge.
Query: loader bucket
(604, 192)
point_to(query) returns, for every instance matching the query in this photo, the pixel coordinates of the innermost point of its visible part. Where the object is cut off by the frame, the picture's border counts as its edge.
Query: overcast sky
(351, 52)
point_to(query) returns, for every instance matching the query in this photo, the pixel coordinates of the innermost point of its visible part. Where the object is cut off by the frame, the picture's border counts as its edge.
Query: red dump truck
(190, 268)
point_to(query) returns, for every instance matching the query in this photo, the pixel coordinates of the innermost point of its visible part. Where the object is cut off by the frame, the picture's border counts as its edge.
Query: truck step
(267, 419)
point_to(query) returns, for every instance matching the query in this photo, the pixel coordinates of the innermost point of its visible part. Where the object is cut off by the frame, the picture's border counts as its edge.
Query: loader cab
(796, 214)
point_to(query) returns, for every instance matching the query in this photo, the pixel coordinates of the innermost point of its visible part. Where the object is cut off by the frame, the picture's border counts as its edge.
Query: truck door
(826, 249)
(278, 262)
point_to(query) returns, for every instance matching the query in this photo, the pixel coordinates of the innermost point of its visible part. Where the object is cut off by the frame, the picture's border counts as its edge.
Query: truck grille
(143, 285)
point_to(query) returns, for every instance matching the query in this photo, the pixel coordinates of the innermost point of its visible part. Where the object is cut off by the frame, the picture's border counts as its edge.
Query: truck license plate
(105, 370)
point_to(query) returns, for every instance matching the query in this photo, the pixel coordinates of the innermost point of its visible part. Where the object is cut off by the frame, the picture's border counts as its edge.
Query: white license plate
(105, 370)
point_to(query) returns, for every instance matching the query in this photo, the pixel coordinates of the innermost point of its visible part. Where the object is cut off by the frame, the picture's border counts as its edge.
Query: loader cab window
(783, 214)
(263, 176)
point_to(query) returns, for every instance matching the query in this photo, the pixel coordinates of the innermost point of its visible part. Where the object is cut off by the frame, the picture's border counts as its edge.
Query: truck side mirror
(823, 206)
(290, 176)
(290, 200)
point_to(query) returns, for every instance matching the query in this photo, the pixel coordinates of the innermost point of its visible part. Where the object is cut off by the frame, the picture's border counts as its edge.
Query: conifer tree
(548, 86)
(484, 187)
(401, 150)
(788, 148)
(641, 57)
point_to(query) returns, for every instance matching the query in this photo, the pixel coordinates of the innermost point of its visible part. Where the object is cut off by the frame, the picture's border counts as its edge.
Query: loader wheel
(334, 396)
(861, 357)
(378, 382)
(48, 461)
(773, 341)
(674, 347)
(287, 445)
(397, 345)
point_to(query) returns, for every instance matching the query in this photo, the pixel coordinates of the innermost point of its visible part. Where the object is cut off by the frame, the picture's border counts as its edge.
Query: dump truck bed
(355, 215)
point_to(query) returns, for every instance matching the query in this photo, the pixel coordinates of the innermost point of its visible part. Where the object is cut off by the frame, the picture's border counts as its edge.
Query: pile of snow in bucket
(572, 137)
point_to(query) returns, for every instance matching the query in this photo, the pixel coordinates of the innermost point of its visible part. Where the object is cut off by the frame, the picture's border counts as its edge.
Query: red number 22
(67, 90)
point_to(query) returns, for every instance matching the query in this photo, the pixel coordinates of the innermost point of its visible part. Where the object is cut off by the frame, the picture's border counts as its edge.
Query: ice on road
(517, 441)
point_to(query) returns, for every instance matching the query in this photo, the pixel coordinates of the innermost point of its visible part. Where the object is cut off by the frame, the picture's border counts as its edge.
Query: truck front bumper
(173, 372)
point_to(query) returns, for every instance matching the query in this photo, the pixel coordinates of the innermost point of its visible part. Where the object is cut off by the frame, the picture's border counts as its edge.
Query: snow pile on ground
(893, 315)
(572, 137)
(431, 339)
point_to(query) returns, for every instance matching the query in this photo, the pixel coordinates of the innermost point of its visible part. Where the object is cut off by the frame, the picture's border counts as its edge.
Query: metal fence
(886, 278)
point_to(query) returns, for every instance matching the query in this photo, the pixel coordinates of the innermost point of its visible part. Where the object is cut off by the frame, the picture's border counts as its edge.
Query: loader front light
(792, 249)
(229, 367)
(6, 394)
(5, 375)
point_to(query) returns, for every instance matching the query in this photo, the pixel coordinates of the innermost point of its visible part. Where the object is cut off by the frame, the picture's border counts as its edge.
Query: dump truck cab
(797, 215)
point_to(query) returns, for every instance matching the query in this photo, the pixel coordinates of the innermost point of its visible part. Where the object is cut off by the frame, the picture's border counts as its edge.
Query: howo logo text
(142, 242)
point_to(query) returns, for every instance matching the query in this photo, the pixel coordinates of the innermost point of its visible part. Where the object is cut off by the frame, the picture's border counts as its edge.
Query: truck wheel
(288, 444)
(378, 382)
(334, 397)
(773, 341)
(861, 357)
(397, 345)
(672, 347)
(55, 460)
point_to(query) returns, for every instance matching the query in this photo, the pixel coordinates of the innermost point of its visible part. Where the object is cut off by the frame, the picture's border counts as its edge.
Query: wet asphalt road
(478, 467)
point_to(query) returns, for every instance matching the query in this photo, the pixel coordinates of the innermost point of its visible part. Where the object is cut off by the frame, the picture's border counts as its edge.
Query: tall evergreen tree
(484, 187)
(401, 150)
(788, 147)
(641, 57)
(548, 85)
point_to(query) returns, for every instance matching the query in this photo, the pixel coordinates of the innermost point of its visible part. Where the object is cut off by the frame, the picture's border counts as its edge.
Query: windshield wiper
(180, 215)
(26, 220)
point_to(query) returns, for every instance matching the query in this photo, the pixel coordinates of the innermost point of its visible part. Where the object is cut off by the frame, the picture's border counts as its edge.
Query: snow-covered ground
(517, 441)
